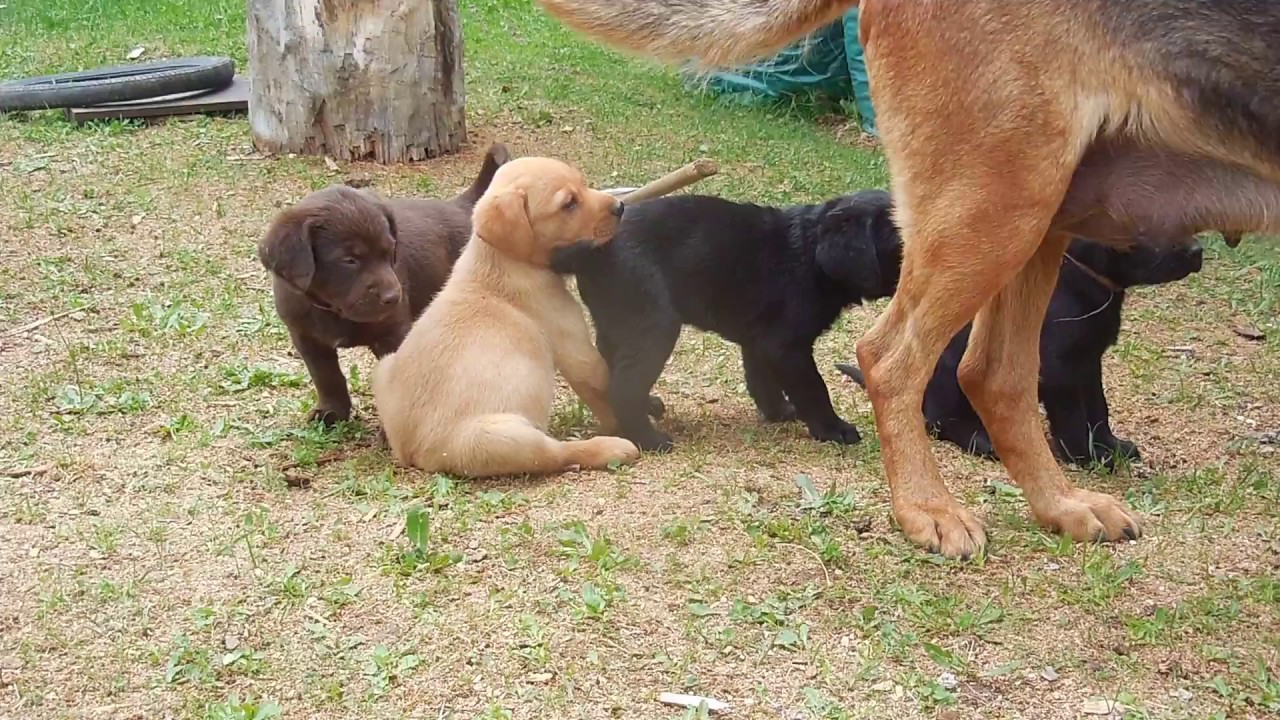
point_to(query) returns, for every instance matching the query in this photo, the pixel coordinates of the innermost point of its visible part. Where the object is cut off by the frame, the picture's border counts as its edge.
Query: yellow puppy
(470, 389)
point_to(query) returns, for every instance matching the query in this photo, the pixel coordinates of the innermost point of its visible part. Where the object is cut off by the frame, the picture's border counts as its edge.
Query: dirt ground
(177, 543)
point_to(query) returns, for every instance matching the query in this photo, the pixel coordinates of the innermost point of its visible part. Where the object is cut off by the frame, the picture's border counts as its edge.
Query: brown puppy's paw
(1089, 516)
(329, 416)
(944, 527)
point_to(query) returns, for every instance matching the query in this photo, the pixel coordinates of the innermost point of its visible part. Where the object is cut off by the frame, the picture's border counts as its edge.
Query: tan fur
(470, 389)
(986, 108)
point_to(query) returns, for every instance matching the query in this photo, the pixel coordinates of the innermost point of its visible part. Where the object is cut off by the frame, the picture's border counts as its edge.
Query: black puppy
(770, 279)
(1082, 321)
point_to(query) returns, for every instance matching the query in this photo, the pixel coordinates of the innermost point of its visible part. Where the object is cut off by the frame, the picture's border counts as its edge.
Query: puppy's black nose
(617, 210)
(1196, 253)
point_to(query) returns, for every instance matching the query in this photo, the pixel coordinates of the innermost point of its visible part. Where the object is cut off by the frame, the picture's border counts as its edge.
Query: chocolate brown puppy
(351, 269)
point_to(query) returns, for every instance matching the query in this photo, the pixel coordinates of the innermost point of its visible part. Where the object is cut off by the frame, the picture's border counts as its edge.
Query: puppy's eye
(350, 261)
(569, 206)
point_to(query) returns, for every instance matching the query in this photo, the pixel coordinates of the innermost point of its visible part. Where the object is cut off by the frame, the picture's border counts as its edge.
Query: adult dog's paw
(1088, 516)
(942, 526)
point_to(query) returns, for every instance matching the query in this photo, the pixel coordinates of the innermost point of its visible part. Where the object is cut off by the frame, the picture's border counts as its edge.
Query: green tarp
(827, 63)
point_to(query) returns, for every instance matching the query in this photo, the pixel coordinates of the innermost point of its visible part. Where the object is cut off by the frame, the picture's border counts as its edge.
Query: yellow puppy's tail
(707, 32)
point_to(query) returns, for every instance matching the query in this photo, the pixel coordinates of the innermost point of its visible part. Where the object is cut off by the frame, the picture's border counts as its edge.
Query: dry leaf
(329, 163)
(136, 53)
(1248, 331)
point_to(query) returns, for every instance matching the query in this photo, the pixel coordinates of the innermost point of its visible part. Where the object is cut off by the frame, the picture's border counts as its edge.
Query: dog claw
(329, 416)
(843, 433)
(1089, 516)
(945, 528)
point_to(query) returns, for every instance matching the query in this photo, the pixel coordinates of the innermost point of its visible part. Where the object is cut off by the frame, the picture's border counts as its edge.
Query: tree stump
(356, 79)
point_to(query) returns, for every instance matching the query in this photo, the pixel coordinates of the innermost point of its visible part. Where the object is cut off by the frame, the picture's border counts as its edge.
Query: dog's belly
(1123, 191)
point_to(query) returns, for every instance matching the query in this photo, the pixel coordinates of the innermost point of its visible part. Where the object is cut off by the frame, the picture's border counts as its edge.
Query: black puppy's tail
(497, 156)
(853, 372)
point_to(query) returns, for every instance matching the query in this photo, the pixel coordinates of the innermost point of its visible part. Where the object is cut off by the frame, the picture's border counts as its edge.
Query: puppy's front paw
(783, 412)
(1127, 450)
(654, 441)
(841, 432)
(657, 408)
(329, 416)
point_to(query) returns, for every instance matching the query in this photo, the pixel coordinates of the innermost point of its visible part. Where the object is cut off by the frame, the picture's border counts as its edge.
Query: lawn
(176, 542)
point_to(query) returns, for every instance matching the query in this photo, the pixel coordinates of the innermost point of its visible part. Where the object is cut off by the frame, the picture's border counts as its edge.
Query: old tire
(119, 83)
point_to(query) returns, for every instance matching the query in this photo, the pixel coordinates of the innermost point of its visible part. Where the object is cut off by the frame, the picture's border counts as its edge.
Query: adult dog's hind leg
(999, 374)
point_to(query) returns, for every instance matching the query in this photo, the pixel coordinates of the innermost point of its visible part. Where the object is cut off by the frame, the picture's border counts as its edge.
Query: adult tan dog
(470, 389)
(1007, 125)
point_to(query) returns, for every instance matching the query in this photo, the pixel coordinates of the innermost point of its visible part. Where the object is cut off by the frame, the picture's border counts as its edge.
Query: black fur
(770, 279)
(1083, 320)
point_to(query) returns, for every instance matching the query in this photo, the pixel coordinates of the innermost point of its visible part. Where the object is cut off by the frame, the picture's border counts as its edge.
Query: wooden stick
(43, 321)
(24, 472)
(673, 181)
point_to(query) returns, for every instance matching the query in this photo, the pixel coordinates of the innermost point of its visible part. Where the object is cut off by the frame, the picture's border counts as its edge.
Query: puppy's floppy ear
(846, 253)
(502, 220)
(391, 220)
(395, 231)
(286, 249)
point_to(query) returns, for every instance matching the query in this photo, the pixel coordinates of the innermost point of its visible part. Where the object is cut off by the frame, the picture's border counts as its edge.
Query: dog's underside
(1007, 125)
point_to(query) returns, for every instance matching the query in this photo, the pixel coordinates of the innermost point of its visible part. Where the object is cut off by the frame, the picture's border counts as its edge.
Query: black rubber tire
(119, 83)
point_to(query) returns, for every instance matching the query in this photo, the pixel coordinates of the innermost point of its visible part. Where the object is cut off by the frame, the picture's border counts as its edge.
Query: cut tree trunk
(356, 79)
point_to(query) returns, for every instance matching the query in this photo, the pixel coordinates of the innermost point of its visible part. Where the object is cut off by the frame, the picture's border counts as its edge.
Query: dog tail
(497, 156)
(853, 372)
(708, 32)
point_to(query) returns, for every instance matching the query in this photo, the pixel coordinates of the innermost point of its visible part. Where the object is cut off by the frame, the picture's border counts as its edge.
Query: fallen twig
(27, 471)
(825, 575)
(692, 701)
(43, 321)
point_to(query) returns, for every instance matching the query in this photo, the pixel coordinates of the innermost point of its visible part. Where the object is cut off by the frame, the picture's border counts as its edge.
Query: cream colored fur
(470, 389)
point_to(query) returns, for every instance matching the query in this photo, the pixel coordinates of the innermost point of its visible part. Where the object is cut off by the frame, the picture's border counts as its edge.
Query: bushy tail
(707, 32)
(497, 156)
(853, 372)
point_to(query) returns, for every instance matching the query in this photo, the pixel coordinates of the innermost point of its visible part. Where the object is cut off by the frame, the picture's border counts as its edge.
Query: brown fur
(470, 389)
(351, 269)
(1103, 104)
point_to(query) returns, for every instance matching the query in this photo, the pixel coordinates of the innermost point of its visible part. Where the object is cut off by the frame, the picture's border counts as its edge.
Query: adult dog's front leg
(999, 374)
